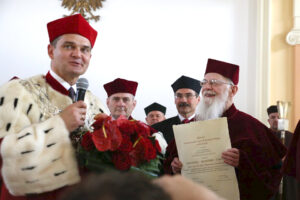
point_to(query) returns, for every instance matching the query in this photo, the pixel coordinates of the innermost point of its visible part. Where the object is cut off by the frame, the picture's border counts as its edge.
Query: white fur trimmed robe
(36, 150)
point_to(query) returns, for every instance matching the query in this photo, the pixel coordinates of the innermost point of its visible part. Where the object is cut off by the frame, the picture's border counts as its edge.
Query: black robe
(166, 127)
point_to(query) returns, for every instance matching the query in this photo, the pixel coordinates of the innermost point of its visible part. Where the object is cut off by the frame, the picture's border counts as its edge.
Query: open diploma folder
(200, 145)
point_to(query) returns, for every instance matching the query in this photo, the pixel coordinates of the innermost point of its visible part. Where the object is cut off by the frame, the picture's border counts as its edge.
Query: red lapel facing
(55, 84)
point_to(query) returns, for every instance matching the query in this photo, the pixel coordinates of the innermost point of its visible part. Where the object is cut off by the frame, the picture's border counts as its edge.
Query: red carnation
(142, 129)
(139, 151)
(150, 152)
(126, 127)
(100, 118)
(121, 143)
(87, 142)
(121, 160)
(126, 145)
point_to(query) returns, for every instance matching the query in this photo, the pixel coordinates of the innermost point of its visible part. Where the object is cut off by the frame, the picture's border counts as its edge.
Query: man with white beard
(212, 108)
(256, 153)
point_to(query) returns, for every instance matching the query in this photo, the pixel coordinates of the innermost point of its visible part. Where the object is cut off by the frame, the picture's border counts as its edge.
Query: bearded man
(256, 152)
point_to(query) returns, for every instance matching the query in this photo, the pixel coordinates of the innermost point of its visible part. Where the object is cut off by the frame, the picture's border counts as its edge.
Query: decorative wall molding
(293, 37)
(263, 59)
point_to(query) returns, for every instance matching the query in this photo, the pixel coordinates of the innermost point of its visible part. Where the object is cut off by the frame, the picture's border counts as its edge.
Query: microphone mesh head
(82, 83)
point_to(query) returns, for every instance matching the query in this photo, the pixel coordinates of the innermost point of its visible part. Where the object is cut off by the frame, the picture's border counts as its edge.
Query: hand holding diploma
(176, 166)
(231, 157)
(206, 156)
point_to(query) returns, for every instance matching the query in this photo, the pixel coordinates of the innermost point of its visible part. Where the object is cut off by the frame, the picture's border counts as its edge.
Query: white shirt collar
(182, 118)
(62, 81)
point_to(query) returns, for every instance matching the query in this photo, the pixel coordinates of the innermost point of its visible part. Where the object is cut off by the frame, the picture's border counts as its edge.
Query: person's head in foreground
(116, 186)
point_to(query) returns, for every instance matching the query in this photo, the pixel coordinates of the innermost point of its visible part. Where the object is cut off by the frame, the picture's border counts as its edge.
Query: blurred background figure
(273, 121)
(289, 187)
(273, 117)
(155, 113)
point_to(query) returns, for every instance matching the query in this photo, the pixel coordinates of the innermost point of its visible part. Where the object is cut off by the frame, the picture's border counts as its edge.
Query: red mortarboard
(120, 86)
(227, 70)
(71, 24)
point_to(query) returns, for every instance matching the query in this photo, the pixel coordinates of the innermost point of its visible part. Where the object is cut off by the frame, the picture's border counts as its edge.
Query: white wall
(153, 42)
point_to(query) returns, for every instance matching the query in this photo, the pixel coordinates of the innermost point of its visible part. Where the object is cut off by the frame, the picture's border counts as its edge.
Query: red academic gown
(291, 164)
(5, 195)
(258, 173)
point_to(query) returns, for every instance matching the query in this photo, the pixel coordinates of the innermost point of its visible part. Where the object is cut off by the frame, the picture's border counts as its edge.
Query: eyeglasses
(124, 99)
(213, 82)
(186, 95)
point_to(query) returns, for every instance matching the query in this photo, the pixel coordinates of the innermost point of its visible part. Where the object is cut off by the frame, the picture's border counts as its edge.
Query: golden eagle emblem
(83, 7)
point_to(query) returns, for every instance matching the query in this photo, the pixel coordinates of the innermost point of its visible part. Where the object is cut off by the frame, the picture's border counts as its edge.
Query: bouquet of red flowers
(120, 144)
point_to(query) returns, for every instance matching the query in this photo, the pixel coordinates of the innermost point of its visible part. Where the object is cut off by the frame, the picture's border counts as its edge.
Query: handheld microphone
(82, 85)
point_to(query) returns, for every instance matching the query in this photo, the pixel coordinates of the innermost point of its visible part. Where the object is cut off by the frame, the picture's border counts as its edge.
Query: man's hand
(176, 166)
(74, 115)
(231, 157)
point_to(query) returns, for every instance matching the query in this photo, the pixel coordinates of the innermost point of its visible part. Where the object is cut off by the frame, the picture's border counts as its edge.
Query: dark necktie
(185, 121)
(72, 94)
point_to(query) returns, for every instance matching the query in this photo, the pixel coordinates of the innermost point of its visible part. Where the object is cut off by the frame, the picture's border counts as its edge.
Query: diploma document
(200, 145)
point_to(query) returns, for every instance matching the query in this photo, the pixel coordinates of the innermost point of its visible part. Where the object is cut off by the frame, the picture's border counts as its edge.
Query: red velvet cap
(227, 70)
(71, 24)
(120, 86)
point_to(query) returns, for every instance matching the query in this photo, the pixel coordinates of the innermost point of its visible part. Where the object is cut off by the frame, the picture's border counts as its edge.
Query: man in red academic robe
(121, 101)
(291, 165)
(120, 97)
(256, 152)
(38, 115)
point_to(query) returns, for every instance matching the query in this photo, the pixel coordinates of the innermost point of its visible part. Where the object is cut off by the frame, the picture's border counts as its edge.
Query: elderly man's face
(212, 91)
(155, 116)
(121, 104)
(273, 121)
(217, 96)
(186, 101)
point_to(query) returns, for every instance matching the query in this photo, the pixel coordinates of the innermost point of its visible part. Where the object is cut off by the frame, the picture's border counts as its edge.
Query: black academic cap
(186, 82)
(272, 109)
(155, 106)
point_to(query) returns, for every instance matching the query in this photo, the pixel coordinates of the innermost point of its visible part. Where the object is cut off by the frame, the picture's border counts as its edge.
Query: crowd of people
(38, 116)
